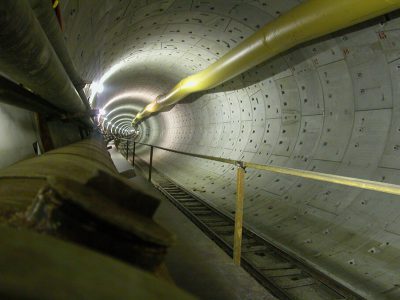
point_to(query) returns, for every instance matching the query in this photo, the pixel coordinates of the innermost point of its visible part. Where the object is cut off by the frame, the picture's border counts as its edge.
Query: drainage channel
(284, 276)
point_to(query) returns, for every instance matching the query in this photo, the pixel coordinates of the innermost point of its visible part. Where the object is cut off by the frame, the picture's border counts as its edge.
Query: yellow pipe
(55, 4)
(237, 240)
(305, 22)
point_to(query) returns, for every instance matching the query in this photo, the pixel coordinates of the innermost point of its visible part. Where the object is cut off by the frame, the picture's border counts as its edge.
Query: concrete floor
(196, 263)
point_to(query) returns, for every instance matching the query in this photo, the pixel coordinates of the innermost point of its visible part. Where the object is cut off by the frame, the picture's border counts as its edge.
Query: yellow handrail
(305, 22)
(387, 188)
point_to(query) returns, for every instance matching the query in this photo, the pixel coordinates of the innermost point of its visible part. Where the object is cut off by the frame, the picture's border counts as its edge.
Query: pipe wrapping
(47, 18)
(27, 57)
(74, 193)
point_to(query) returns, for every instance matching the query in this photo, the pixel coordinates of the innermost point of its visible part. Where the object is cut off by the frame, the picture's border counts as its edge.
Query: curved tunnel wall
(329, 106)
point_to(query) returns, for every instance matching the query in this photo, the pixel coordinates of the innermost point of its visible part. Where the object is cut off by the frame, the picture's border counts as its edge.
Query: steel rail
(214, 223)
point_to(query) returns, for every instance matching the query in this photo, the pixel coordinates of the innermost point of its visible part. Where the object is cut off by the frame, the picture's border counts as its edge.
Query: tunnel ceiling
(330, 106)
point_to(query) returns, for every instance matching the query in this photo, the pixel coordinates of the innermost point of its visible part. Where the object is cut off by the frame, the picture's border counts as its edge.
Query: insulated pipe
(27, 57)
(46, 16)
(35, 266)
(305, 22)
(82, 181)
(12, 94)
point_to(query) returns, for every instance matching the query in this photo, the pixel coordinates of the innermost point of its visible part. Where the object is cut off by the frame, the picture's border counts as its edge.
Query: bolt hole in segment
(320, 151)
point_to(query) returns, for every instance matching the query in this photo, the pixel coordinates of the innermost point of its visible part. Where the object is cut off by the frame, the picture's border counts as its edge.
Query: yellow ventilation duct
(305, 22)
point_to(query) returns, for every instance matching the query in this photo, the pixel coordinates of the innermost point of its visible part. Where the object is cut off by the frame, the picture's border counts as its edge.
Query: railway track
(283, 275)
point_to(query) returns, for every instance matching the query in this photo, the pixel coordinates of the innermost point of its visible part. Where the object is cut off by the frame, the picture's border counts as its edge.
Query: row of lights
(117, 129)
(97, 88)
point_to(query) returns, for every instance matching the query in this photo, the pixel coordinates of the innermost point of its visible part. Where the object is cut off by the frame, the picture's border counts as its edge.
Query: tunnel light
(132, 94)
(102, 112)
(97, 88)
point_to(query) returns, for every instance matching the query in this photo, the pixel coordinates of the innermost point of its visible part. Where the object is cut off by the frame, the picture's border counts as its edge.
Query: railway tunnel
(328, 104)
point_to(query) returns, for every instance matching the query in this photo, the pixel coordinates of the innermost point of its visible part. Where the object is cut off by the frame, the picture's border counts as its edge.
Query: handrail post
(133, 154)
(151, 162)
(127, 149)
(237, 243)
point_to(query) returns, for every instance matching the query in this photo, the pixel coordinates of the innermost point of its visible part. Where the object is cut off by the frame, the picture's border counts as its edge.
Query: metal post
(151, 162)
(133, 154)
(237, 243)
(127, 149)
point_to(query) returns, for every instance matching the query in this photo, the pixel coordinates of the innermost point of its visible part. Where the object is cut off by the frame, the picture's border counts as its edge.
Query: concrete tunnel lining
(329, 106)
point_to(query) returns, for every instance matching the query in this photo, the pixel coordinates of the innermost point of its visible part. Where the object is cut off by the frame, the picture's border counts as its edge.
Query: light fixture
(97, 88)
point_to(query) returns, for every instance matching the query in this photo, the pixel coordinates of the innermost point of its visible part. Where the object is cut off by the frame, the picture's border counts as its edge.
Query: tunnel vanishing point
(272, 125)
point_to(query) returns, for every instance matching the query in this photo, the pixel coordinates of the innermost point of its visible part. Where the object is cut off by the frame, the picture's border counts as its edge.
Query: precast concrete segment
(307, 21)
(27, 57)
(329, 106)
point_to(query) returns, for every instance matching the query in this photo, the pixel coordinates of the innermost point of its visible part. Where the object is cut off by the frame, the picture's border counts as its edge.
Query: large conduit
(305, 22)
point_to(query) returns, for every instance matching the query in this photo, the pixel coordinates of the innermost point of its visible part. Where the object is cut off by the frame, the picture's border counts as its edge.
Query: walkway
(196, 263)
